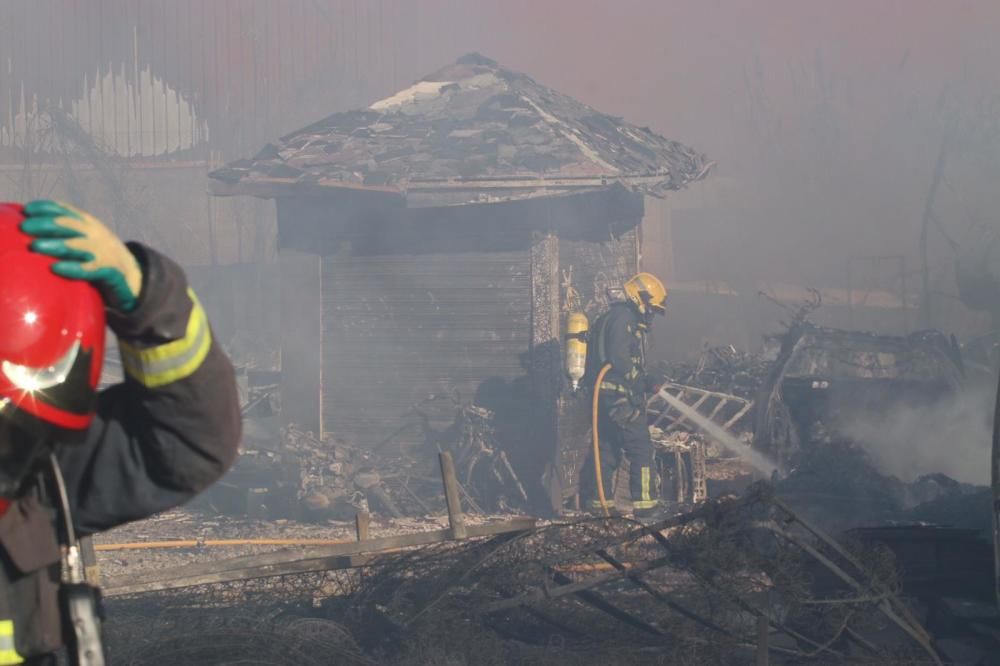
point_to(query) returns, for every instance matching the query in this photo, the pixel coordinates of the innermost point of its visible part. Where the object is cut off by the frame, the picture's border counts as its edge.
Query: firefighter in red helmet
(75, 460)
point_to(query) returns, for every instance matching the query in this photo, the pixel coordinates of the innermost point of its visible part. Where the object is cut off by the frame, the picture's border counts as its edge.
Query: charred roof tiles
(471, 132)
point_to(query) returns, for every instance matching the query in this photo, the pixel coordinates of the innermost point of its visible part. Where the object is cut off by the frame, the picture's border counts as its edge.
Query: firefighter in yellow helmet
(618, 339)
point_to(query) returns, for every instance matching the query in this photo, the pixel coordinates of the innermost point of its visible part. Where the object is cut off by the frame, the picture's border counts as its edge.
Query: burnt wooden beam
(340, 556)
(592, 598)
(641, 583)
(533, 182)
(273, 188)
(897, 604)
(567, 587)
(890, 606)
(312, 565)
(546, 356)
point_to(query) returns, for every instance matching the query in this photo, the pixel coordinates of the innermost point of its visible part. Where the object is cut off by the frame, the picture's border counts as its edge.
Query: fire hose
(597, 441)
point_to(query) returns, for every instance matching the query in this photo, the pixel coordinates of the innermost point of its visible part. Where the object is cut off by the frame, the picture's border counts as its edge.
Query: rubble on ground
(719, 584)
(838, 486)
(970, 508)
(721, 369)
(318, 478)
(188, 536)
(710, 584)
(692, 589)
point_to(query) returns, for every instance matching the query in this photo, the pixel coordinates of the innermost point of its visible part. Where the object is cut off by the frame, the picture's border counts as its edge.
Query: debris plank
(568, 587)
(300, 561)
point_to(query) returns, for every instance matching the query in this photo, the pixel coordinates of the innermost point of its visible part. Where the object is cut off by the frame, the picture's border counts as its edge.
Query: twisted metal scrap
(713, 574)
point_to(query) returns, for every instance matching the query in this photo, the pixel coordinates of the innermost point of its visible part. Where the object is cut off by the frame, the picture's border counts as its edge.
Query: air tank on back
(576, 347)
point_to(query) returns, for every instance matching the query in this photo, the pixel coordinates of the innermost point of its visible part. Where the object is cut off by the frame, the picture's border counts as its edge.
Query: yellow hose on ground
(597, 441)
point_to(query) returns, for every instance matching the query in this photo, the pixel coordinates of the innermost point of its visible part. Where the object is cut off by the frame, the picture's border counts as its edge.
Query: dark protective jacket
(618, 337)
(170, 429)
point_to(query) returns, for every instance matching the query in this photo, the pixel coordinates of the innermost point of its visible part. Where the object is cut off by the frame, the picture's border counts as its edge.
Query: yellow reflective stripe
(8, 651)
(175, 360)
(645, 504)
(645, 485)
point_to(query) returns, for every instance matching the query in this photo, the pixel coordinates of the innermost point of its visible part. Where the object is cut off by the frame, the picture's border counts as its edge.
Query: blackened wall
(422, 309)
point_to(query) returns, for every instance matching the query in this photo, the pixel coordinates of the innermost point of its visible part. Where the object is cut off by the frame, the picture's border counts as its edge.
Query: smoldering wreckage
(783, 542)
(741, 569)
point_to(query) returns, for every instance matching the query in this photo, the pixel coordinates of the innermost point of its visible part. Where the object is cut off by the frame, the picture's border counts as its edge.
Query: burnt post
(546, 357)
(361, 522)
(456, 519)
(88, 554)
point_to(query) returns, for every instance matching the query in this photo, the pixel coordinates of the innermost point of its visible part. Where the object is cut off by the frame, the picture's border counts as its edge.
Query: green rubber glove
(87, 250)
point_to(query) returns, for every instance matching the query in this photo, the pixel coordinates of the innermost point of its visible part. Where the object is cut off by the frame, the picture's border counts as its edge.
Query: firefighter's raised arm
(173, 426)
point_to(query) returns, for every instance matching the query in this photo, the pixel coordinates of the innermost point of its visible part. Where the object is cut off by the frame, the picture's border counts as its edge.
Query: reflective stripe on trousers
(645, 500)
(8, 651)
(613, 387)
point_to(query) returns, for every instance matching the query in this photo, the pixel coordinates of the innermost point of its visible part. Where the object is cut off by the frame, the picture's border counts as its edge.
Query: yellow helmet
(647, 293)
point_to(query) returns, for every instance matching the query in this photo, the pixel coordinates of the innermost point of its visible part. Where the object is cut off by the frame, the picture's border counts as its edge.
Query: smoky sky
(824, 118)
(828, 116)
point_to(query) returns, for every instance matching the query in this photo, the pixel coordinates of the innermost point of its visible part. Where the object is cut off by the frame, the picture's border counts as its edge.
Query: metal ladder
(721, 408)
(700, 400)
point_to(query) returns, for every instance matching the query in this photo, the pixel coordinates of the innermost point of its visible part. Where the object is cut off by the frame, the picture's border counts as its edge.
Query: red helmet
(51, 353)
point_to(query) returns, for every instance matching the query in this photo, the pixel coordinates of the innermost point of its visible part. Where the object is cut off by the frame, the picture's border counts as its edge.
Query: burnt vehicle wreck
(823, 377)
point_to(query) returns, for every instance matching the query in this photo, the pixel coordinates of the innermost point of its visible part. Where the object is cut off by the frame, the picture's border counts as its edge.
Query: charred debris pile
(788, 402)
(742, 580)
(721, 369)
(290, 473)
(791, 401)
(829, 561)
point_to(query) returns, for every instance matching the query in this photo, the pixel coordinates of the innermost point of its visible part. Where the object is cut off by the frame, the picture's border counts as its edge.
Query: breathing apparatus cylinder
(577, 327)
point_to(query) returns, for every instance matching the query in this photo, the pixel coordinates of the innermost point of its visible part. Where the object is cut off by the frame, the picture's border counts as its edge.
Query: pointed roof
(472, 132)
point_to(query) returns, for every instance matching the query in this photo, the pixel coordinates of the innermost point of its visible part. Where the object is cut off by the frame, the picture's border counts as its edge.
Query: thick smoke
(952, 436)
